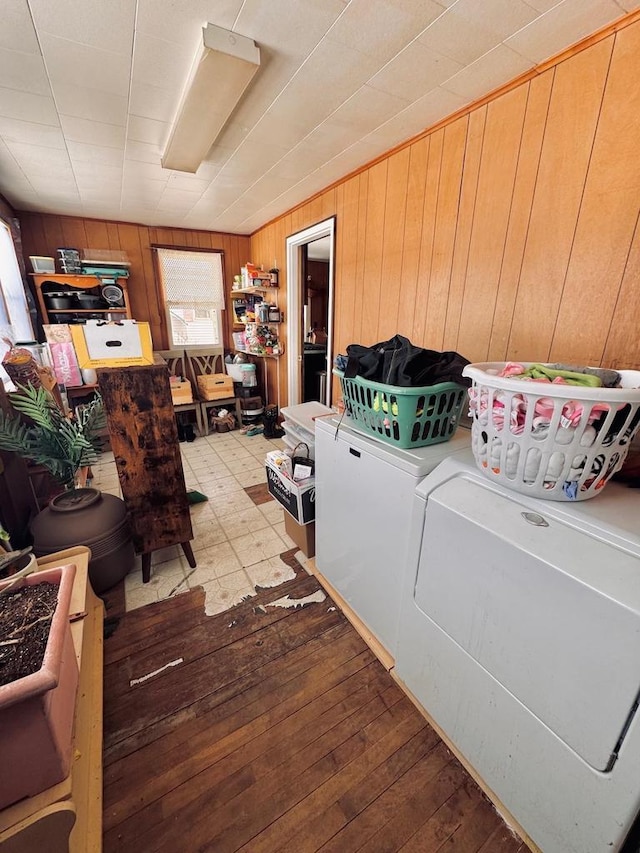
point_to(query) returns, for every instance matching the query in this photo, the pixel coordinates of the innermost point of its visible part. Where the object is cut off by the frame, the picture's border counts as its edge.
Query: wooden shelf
(77, 282)
(88, 311)
(251, 290)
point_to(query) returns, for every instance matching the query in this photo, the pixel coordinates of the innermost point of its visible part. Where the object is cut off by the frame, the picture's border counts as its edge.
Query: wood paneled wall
(510, 232)
(42, 234)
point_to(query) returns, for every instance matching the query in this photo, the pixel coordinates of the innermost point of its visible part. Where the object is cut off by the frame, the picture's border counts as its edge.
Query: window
(15, 322)
(193, 285)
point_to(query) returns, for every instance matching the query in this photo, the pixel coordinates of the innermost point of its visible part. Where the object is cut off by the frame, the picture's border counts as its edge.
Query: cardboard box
(180, 391)
(299, 499)
(304, 535)
(114, 344)
(63, 355)
(215, 386)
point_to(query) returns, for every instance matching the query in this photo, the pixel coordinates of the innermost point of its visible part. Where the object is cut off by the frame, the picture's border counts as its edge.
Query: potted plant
(78, 516)
(61, 444)
(38, 682)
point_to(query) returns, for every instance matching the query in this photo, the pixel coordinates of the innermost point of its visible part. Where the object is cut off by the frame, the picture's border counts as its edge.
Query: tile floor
(236, 542)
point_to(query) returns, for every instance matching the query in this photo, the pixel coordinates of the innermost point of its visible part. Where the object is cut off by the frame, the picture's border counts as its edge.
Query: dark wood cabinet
(144, 440)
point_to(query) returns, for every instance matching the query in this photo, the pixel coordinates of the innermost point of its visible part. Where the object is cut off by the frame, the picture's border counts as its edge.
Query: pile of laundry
(571, 435)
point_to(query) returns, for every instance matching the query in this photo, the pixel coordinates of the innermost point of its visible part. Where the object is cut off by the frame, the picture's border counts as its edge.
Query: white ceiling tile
(459, 38)
(75, 100)
(97, 172)
(23, 71)
(629, 5)
(381, 28)
(417, 69)
(545, 5)
(15, 130)
(152, 131)
(67, 62)
(190, 183)
(96, 23)
(331, 74)
(294, 26)
(488, 72)
(562, 26)
(149, 171)
(39, 155)
(17, 27)
(153, 102)
(366, 109)
(142, 152)
(177, 200)
(81, 152)
(93, 132)
(162, 63)
(174, 24)
(27, 107)
(427, 111)
(502, 17)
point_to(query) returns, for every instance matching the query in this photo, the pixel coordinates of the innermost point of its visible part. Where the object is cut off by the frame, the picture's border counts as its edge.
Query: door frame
(295, 242)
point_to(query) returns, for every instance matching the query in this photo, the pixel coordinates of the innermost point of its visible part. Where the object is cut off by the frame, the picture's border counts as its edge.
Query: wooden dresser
(144, 440)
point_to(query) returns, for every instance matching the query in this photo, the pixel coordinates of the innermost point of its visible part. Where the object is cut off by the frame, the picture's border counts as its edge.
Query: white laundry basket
(552, 441)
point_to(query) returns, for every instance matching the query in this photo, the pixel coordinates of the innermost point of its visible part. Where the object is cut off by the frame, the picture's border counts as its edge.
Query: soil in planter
(25, 621)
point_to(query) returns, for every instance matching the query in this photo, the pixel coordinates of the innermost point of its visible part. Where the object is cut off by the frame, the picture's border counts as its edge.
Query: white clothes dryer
(364, 493)
(520, 636)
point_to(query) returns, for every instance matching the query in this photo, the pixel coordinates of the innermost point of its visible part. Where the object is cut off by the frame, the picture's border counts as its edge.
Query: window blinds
(192, 279)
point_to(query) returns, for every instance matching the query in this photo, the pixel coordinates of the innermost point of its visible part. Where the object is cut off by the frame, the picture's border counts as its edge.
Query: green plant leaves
(60, 444)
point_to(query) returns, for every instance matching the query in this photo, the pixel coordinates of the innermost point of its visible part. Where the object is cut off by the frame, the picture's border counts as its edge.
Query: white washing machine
(520, 636)
(364, 493)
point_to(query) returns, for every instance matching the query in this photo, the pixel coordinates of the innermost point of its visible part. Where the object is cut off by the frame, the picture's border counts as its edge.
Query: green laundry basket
(403, 417)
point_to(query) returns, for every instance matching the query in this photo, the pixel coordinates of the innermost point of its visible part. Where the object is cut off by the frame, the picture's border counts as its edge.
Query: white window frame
(15, 319)
(217, 318)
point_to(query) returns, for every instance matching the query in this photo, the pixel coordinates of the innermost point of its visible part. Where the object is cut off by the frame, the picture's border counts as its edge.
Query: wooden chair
(179, 366)
(201, 363)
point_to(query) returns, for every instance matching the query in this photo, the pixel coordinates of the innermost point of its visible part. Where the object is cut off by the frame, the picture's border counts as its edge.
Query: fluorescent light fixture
(221, 71)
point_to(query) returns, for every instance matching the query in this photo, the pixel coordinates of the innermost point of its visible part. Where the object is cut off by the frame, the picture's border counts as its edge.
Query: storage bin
(404, 417)
(553, 441)
(215, 386)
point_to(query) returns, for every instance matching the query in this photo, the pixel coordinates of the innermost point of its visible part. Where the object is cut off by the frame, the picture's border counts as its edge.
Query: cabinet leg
(188, 552)
(146, 567)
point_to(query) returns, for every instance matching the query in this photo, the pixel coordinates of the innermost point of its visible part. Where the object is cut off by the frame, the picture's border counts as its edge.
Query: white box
(298, 499)
(113, 344)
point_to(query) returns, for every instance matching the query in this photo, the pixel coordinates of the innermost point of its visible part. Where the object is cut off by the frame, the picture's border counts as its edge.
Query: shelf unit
(64, 282)
(241, 295)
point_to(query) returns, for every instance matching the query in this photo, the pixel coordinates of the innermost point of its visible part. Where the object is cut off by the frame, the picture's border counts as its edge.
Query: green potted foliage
(61, 444)
(78, 516)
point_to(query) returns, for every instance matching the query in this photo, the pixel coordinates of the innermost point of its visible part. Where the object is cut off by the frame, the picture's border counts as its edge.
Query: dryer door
(550, 612)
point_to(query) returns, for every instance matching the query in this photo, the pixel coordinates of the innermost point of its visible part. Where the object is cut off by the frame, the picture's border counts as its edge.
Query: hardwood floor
(267, 729)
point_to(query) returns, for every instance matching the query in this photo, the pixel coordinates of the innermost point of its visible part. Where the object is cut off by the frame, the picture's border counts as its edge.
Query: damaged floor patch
(149, 675)
(287, 601)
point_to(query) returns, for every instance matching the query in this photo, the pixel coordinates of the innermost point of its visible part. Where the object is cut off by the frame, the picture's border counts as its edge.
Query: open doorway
(310, 284)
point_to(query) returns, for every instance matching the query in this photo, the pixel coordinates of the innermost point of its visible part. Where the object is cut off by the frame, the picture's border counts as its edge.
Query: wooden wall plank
(612, 195)
(573, 113)
(622, 349)
(431, 194)
(393, 237)
(376, 201)
(445, 233)
(464, 224)
(412, 237)
(538, 96)
(496, 181)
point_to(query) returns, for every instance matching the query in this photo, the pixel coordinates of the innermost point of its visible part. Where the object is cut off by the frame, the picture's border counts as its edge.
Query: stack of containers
(299, 424)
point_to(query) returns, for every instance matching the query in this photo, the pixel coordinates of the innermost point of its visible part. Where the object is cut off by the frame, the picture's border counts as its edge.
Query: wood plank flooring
(269, 729)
